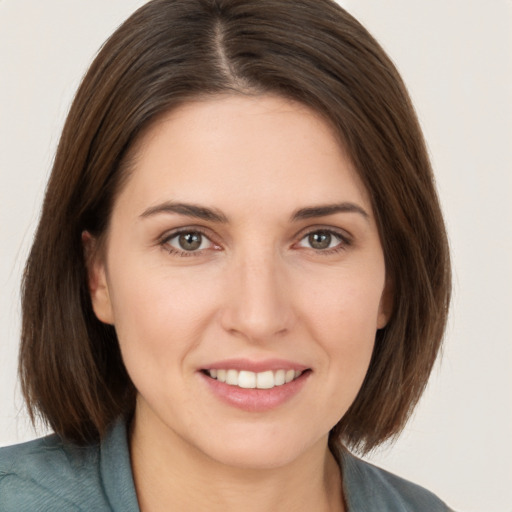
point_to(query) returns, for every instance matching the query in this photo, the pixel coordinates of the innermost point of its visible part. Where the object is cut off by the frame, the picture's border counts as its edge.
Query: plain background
(456, 58)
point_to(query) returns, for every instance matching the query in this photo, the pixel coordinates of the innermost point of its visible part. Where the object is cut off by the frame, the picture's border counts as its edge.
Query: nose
(258, 301)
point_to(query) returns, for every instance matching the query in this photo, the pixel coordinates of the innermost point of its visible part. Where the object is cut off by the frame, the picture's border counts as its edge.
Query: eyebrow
(214, 215)
(189, 210)
(328, 209)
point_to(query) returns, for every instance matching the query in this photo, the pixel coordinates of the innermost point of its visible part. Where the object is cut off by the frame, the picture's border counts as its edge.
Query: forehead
(256, 149)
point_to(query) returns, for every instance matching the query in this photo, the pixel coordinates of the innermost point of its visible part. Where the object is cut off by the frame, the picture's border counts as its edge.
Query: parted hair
(172, 51)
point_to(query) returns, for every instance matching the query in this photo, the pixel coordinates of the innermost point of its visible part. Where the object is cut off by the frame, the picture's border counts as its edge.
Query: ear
(386, 304)
(97, 279)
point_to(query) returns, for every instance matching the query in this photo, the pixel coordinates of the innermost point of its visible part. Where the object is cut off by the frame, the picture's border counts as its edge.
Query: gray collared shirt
(50, 475)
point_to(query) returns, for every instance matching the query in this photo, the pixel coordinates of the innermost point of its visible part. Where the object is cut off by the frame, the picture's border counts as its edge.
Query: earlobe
(386, 305)
(97, 280)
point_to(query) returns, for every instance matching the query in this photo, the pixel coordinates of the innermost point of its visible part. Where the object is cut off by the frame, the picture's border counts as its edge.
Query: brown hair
(171, 51)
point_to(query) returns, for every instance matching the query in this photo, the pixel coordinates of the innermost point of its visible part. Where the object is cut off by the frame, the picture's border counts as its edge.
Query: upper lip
(255, 366)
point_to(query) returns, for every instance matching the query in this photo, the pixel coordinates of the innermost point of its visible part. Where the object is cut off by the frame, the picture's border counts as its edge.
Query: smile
(252, 380)
(255, 386)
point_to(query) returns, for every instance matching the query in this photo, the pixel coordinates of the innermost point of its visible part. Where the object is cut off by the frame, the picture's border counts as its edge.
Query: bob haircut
(172, 51)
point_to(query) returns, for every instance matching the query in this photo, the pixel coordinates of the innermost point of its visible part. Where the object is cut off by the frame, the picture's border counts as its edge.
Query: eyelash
(343, 241)
(164, 242)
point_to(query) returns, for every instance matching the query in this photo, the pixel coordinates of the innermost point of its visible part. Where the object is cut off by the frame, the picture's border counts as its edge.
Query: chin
(256, 459)
(260, 452)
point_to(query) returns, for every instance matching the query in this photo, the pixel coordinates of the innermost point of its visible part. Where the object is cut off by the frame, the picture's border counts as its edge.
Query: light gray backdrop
(456, 57)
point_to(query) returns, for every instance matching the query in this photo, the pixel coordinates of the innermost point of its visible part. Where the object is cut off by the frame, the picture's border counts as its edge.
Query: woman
(240, 272)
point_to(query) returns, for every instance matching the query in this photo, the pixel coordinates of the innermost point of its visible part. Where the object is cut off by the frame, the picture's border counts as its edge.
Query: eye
(187, 241)
(323, 239)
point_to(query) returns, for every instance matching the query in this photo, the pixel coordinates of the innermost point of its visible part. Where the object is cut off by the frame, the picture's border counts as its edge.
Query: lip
(255, 400)
(240, 364)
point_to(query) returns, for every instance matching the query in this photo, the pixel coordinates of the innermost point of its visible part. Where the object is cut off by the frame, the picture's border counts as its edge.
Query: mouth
(246, 379)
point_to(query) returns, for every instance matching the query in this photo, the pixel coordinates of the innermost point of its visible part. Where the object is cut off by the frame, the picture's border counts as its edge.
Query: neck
(170, 474)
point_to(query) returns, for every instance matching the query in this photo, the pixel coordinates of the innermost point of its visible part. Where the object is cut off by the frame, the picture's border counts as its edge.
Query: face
(244, 275)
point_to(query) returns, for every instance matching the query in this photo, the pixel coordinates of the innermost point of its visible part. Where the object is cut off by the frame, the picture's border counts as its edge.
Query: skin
(256, 288)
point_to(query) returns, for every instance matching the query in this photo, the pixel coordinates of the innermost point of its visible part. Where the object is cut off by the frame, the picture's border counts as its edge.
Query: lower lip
(256, 400)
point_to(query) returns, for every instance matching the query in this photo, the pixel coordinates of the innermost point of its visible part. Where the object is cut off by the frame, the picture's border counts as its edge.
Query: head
(171, 54)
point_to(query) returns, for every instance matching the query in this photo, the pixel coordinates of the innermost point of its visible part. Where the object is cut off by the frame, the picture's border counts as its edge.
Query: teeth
(232, 377)
(251, 380)
(265, 380)
(279, 377)
(246, 379)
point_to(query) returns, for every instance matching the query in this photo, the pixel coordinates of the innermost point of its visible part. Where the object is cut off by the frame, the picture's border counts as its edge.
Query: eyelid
(340, 233)
(164, 239)
(171, 233)
(345, 238)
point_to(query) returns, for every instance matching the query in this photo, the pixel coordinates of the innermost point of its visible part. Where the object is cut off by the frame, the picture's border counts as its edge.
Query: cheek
(346, 307)
(159, 314)
(344, 320)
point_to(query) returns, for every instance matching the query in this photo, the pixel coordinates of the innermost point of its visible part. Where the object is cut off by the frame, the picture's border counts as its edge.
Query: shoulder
(369, 488)
(49, 474)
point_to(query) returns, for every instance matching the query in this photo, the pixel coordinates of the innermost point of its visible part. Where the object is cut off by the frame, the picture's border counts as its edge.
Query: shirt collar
(115, 469)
